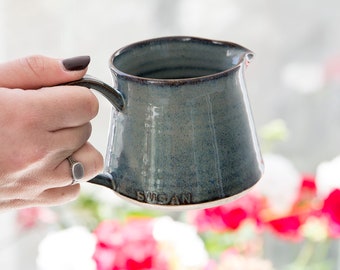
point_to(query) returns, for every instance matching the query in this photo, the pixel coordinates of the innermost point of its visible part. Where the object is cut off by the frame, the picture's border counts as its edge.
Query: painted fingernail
(76, 63)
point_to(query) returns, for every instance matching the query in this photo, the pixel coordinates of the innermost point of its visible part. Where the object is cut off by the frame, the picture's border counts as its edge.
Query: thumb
(38, 71)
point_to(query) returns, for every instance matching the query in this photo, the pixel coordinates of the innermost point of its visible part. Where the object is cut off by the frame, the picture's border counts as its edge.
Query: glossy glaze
(185, 137)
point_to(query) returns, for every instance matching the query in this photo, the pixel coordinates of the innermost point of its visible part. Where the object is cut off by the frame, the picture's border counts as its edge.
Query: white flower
(315, 229)
(280, 183)
(328, 177)
(69, 249)
(182, 241)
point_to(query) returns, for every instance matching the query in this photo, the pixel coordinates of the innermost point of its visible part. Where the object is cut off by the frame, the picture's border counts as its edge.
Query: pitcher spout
(239, 55)
(245, 55)
(249, 55)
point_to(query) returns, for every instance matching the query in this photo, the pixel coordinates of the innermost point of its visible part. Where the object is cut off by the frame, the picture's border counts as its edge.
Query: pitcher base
(183, 207)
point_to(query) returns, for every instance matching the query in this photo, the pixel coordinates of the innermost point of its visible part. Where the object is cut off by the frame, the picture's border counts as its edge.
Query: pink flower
(331, 210)
(30, 217)
(229, 216)
(127, 246)
(306, 204)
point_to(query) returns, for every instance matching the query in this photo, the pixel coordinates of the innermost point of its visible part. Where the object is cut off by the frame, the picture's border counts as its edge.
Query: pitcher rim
(248, 55)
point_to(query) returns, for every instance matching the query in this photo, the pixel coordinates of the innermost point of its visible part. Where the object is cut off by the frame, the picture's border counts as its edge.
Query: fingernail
(76, 63)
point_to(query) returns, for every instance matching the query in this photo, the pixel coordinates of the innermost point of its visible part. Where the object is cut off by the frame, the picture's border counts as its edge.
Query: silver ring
(77, 170)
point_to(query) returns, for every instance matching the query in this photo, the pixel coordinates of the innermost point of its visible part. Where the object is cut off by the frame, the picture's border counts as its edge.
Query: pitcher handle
(114, 96)
(117, 100)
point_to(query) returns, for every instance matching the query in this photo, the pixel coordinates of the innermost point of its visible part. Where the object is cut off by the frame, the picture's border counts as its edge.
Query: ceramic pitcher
(182, 133)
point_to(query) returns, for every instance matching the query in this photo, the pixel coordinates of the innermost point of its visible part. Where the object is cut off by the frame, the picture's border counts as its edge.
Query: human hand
(41, 125)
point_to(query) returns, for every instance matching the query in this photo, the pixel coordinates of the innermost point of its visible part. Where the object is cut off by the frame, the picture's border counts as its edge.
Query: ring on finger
(77, 170)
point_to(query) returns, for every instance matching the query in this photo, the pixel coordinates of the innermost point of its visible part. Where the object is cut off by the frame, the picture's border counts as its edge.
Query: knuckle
(41, 150)
(31, 189)
(35, 64)
(32, 154)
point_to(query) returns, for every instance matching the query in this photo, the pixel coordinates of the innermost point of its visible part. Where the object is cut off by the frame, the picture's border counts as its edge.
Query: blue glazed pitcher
(182, 134)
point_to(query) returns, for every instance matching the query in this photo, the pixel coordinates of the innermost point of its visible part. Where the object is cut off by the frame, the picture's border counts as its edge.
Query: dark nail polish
(76, 63)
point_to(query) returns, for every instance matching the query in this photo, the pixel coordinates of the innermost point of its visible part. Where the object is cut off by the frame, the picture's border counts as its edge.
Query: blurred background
(293, 82)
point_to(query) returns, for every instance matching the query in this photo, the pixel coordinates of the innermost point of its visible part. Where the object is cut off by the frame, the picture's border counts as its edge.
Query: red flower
(229, 216)
(127, 246)
(287, 227)
(331, 210)
(307, 196)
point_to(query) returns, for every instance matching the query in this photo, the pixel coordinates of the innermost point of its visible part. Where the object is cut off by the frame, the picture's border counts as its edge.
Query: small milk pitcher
(182, 134)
